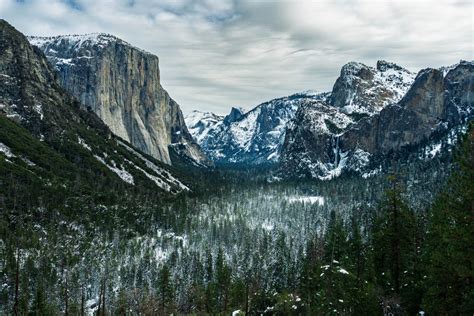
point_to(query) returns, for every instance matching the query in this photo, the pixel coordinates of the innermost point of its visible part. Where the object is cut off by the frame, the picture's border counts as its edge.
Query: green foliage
(165, 291)
(449, 252)
(394, 244)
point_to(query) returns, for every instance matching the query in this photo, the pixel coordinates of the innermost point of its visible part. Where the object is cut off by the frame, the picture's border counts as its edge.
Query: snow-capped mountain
(257, 136)
(121, 84)
(362, 89)
(201, 123)
(369, 113)
(323, 141)
(254, 137)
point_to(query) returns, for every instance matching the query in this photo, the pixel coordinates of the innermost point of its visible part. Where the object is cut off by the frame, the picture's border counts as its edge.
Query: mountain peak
(364, 89)
(79, 41)
(234, 115)
(383, 65)
(353, 67)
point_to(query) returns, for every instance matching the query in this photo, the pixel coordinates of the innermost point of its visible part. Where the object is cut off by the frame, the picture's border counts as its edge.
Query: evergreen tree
(223, 281)
(335, 240)
(450, 241)
(165, 291)
(311, 264)
(394, 247)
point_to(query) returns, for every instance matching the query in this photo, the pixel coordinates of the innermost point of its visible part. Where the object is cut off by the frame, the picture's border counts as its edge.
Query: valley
(353, 201)
(243, 246)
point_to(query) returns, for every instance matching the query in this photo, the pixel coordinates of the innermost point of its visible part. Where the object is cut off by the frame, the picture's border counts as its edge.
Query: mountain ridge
(257, 137)
(435, 104)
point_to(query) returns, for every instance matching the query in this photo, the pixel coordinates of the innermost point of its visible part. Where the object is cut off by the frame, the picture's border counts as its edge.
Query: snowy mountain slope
(121, 84)
(257, 136)
(437, 104)
(201, 123)
(254, 137)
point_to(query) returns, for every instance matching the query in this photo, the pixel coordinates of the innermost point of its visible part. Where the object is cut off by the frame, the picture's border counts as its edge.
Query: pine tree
(450, 239)
(223, 280)
(394, 246)
(165, 292)
(311, 264)
(335, 240)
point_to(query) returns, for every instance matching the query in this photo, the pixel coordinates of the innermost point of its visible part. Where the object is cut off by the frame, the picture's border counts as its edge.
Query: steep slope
(48, 137)
(437, 106)
(121, 84)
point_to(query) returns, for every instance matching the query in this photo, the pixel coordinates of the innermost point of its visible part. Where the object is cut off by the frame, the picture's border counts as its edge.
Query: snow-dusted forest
(255, 247)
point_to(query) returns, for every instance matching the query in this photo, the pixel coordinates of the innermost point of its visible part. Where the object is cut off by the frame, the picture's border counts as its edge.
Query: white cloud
(223, 53)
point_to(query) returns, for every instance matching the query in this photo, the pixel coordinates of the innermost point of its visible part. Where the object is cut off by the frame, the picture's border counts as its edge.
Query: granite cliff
(121, 84)
(438, 105)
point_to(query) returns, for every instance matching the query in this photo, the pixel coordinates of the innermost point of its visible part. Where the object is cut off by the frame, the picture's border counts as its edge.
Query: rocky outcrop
(121, 84)
(234, 115)
(437, 102)
(64, 131)
(361, 89)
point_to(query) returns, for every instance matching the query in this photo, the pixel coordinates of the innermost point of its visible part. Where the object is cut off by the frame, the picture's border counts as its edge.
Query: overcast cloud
(223, 53)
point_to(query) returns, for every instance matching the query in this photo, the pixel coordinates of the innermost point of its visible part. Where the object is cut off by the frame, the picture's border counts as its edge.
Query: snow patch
(267, 226)
(307, 199)
(28, 162)
(123, 174)
(435, 150)
(343, 271)
(6, 151)
(39, 109)
(158, 171)
(83, 143)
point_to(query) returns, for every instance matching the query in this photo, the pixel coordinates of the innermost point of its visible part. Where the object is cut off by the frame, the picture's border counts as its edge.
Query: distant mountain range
(371, 116)
(253, 138)
(369, 113)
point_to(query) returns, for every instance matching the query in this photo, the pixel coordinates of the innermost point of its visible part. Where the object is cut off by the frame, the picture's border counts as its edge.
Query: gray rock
(437, 102)
(31, 94)
(121, 84)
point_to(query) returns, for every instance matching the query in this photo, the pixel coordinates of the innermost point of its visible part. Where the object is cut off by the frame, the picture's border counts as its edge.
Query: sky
(216, 54)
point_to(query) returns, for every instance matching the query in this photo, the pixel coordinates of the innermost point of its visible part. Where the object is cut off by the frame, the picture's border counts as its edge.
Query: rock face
(31, 95)
(121, 84)
(366, 90)
(437, 102)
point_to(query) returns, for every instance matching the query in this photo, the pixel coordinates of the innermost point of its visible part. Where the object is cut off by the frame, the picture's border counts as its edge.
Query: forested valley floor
(397, 243)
